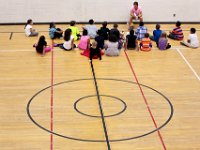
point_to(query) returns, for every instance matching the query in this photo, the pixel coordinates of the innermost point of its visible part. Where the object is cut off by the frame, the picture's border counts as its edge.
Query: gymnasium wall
(18, 11)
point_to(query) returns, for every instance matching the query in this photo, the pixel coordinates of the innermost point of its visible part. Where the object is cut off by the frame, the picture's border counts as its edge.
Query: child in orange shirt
(146, 43)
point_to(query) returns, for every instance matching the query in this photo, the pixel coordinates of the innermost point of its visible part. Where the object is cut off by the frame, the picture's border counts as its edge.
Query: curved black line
(85, 140)
(106, 116)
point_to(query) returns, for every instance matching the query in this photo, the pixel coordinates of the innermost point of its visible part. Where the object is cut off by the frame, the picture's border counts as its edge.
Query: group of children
(138, 39)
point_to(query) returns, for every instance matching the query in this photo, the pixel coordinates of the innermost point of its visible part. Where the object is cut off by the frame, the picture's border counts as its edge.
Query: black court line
(100, 107)
(11, 35)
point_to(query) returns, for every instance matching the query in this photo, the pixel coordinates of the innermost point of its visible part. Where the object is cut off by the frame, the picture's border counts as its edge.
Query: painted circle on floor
(97, 140)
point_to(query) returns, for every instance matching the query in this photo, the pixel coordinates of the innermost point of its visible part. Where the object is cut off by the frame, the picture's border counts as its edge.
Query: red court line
(52, 94)
(145, 100)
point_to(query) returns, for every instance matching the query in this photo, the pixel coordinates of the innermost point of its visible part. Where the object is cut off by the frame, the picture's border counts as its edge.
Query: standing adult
(135, 13)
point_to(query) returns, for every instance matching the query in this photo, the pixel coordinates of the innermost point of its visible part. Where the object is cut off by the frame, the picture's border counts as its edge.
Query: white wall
(15, 11)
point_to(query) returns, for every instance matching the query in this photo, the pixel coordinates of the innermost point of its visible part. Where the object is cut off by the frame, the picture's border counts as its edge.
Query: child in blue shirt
(54, 32)
(156, 34)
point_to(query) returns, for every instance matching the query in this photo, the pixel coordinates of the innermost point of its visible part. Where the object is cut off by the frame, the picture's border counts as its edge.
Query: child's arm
(72, 44)
(43, 52)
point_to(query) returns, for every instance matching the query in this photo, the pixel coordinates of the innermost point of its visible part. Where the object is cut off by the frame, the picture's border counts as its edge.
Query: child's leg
(152, 38)
(185, 43)
(33, 34)
(171, 36)
(168, 46)
(47, 49)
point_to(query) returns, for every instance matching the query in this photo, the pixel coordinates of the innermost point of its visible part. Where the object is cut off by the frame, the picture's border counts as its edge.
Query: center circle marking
(97, 140)
(111, 115)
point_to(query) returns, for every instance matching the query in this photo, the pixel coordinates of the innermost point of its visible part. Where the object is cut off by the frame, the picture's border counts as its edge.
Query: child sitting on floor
(75, 30)
(156, 34)
(95, 51)
(146, 44)
(192, 41)
(177, 32)
(163, 42)
(84, 43)
(54, 32)
(41, 47)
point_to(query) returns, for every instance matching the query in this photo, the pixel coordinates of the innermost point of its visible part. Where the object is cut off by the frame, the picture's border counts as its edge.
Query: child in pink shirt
(84, 43)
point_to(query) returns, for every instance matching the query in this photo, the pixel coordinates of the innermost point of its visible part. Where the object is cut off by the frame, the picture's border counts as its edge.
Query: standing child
(130, 40)
(29, 31)
(146, 44)
(104, 30)
(177, 32)
(156, 34)
(84, 43)
(75, 30)
(91, 28)
(41, 47)
(141, 31)
(192, 40)
(54, 32)
(163, 42)
(95, 51)
(69, 41)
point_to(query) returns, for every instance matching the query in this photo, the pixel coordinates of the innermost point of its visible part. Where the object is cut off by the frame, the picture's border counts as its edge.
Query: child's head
(112, 38)
(99, 32)
(52, 25)
(41, 39)
(192, 30)
(141, 23)
(158, 27)
(104, 24)
(91, 21)
(178, 23)
(85, 32)
(94, 44)
(29, 21)
(146, 35)
(135, 4)
(72, 23)
(115, 26)
(67, 34)
(164, 35)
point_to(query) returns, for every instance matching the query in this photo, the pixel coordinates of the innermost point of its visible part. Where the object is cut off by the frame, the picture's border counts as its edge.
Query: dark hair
(99, 32)
(52, 25)
(115, 25)
(131, 33)
(146, 35)
(91, 21)
(72, 23)
(85, 32)
(112, 38)
(104, 24)
(135, 3)
(141, 23)
(41, 41)
(193, 30)
(28, 22)
(67, 34)
(158, 26)
(178, 23)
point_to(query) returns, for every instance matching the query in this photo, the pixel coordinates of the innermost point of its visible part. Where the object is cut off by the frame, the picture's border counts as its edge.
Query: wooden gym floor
(137, 101)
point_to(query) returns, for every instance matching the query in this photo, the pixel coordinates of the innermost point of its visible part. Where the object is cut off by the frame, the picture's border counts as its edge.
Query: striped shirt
(178, 33)
(140, 32)
(145, 44)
